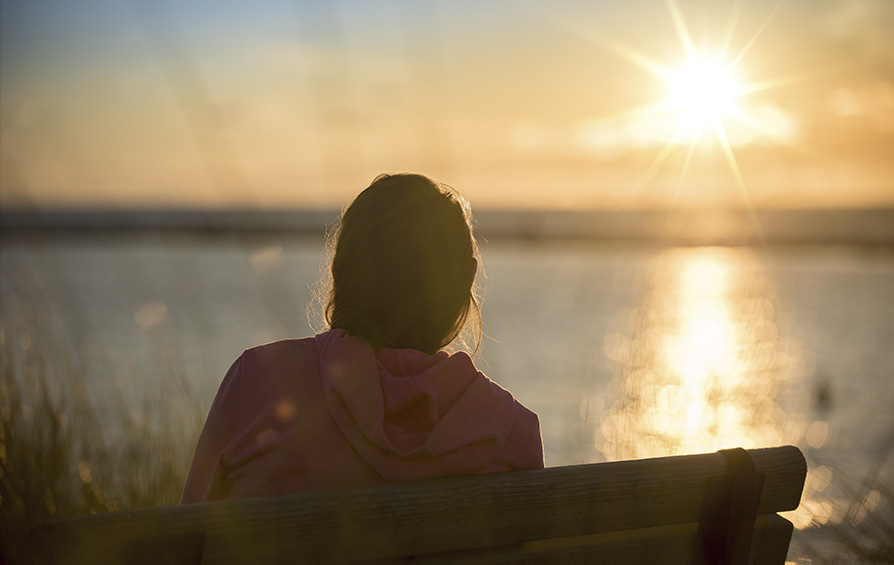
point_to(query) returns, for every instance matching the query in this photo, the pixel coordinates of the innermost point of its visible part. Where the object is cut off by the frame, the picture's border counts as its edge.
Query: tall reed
(59, 458)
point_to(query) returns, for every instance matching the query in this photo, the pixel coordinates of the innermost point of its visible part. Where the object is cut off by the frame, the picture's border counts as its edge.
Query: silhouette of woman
(375, 399)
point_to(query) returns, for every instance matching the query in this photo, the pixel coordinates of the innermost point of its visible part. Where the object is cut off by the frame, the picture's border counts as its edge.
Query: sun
(702, 92)
(705, 101)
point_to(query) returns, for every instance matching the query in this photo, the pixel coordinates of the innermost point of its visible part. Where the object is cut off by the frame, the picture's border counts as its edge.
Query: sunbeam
(756, 34)
(734, 166)
(680, 25)
(733, 22)
(683, 171)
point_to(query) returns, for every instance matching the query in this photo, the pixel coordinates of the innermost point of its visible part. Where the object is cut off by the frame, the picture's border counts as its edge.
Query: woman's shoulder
(267, 370)
(278, 354)
(291, 345)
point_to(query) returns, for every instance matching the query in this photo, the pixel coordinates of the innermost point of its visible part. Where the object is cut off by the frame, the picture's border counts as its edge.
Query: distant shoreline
(865, 227)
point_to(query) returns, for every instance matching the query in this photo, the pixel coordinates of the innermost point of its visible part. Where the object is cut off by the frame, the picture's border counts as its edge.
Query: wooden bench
(707, 508)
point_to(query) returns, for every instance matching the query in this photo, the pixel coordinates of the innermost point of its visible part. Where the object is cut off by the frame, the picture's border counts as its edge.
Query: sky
(567, 104)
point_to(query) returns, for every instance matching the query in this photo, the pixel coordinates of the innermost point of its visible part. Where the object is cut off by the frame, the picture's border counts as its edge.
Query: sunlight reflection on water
(699, 366)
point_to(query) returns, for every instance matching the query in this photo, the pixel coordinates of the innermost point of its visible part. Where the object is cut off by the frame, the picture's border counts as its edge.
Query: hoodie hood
(412, 415)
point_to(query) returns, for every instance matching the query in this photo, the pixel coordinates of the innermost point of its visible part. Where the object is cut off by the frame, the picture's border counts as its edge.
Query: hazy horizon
(508, 206)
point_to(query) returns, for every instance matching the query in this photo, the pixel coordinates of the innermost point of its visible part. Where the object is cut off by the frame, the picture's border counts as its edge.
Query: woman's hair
(404, 264)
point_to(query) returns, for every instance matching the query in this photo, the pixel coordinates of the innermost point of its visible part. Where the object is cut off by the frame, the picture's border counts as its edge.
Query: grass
(862, 530)
(57, 459)
(860, 537)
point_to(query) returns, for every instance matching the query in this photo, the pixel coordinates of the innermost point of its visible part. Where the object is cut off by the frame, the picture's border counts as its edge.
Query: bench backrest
(708, 507)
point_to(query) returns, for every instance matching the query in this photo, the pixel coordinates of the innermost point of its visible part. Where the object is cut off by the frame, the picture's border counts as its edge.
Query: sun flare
(705, 102)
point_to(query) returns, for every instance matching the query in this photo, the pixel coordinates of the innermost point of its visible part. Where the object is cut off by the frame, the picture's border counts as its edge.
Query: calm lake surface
(623, 351)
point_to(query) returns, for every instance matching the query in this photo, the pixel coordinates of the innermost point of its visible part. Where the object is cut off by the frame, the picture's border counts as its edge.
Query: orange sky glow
(643, 104)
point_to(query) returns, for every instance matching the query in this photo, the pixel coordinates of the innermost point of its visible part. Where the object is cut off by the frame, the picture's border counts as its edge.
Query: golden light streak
(680, 25)
(659, 160)
(683, 170)
(731, 27)
(638, 59)
(756, 34)
(733, 164)
(751, 121)
(768, 84)
(642, 61)
(655, 166)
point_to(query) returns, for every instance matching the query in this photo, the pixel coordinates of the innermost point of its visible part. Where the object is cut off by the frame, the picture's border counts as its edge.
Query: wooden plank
(431, 516)
(669, 545)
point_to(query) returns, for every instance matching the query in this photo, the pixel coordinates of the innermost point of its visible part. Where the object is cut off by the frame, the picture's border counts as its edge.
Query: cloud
(870, 102)
(607, 138)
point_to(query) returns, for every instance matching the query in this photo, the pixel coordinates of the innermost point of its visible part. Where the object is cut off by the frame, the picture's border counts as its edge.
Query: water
(623, 351)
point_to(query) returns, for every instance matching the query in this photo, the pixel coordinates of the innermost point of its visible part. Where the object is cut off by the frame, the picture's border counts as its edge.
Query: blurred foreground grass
(59, 458)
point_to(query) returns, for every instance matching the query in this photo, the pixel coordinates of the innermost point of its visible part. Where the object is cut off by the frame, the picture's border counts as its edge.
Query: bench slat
(427, 517)
(672, 543)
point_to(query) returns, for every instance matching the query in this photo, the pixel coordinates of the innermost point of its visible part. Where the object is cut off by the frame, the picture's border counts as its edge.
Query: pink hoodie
(330, 412)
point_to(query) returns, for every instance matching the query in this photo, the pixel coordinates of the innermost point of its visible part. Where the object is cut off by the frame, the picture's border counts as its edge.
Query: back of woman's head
(404, 265)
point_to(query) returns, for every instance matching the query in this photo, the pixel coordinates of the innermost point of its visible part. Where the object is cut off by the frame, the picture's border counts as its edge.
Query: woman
(375, 399)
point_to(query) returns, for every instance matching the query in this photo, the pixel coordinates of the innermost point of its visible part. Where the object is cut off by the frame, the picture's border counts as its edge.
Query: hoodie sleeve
(535, 459)
(524, 446)
(208, 471)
